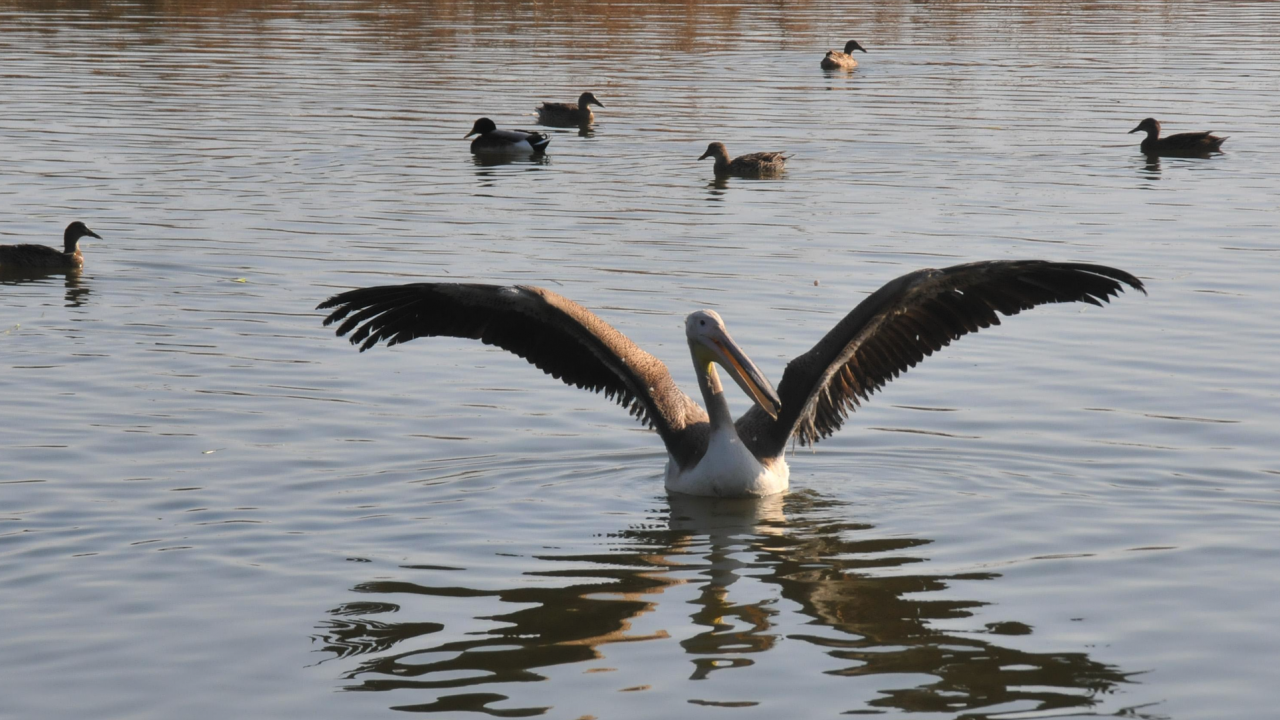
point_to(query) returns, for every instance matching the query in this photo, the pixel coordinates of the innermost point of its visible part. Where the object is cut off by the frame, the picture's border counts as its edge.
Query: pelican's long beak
(746, 374)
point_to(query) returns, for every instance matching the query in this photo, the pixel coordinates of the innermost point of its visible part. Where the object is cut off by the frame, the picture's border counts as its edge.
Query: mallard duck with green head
(492, 140)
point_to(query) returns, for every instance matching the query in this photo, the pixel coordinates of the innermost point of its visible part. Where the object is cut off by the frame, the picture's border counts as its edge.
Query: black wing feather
(904, 322)
(560, 337)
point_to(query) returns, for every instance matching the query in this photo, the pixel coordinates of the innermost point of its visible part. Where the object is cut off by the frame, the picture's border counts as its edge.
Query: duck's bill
(747, 375)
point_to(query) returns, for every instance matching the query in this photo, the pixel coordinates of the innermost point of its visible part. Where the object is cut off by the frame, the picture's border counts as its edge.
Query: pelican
(708, 453)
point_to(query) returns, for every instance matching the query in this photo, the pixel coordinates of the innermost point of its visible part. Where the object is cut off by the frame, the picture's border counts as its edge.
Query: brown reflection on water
(596, 24)
(879, 623)
(76, 291)
(605, 27)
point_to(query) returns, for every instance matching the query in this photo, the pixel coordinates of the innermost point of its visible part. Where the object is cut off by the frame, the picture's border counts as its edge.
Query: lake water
(211, 507)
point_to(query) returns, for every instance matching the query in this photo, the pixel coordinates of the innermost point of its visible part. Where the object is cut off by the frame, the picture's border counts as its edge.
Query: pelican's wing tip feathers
(551, 332)
(908, 319)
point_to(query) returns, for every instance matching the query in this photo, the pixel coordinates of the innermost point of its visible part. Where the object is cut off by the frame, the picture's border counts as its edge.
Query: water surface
(210, 506)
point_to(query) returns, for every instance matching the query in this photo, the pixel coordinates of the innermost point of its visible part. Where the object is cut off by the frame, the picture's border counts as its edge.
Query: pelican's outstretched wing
(901, 323)
(559, 336)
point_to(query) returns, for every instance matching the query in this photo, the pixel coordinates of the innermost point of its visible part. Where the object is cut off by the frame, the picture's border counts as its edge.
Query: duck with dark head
(836, 60)
(43, 257)
(492, 140)
(1191, 144)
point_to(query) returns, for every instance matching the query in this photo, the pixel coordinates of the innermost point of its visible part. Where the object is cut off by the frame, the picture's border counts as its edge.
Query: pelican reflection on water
(709, 453)
(734, 588)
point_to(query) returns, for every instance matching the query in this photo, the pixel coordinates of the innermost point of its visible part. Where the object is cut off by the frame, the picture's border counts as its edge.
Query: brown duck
(836, 60)
(761, 164)
(568, 114)
(1192, 144)
(43, 257)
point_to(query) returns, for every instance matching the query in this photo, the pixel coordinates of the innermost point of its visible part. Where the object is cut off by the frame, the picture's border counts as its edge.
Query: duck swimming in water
(836, 60)
(493, 140)
(757, 165)
(567, 114)
(43, 257)
(1192, 144)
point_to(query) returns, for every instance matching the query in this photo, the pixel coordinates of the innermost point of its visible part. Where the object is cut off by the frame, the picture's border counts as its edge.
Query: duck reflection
(1150, 167)
(717, 186)
(798, 549)
(483, 161)
(75, 294)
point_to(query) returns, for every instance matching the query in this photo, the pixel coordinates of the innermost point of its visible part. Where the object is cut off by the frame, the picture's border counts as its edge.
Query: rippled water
(211, 507)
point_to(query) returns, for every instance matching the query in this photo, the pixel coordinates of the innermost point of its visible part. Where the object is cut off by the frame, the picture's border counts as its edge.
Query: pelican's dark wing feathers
(903, 322)
(559, 336)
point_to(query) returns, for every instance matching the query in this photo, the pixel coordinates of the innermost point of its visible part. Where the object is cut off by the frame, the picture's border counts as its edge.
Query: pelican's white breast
(728, 469)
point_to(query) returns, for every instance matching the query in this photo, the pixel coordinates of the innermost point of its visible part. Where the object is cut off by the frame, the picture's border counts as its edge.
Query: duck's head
(73, 233)
(482, 126)
(709, 342)
(587, 98)
(1151, 125)
(715, 149)
(852, 45)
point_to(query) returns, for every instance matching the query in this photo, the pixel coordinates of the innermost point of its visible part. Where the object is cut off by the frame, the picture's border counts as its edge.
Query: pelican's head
(709, 342)
(588, 99)
(1151, 125)
(852, 45)
(482, 126)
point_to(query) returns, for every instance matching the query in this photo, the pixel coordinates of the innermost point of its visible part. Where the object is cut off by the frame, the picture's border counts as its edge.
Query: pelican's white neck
(713, 397)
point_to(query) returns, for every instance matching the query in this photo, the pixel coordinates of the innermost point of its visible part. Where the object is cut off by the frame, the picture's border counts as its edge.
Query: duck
(568, 114)
(761, 164)
(43, 257)
(491, 139)
(1192, 144)
(836, 60)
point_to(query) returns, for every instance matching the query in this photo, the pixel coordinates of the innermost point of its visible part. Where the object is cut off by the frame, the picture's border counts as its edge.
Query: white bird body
(729, 469)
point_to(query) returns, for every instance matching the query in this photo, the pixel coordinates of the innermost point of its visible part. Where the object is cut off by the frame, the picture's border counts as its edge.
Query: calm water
(211, 507)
